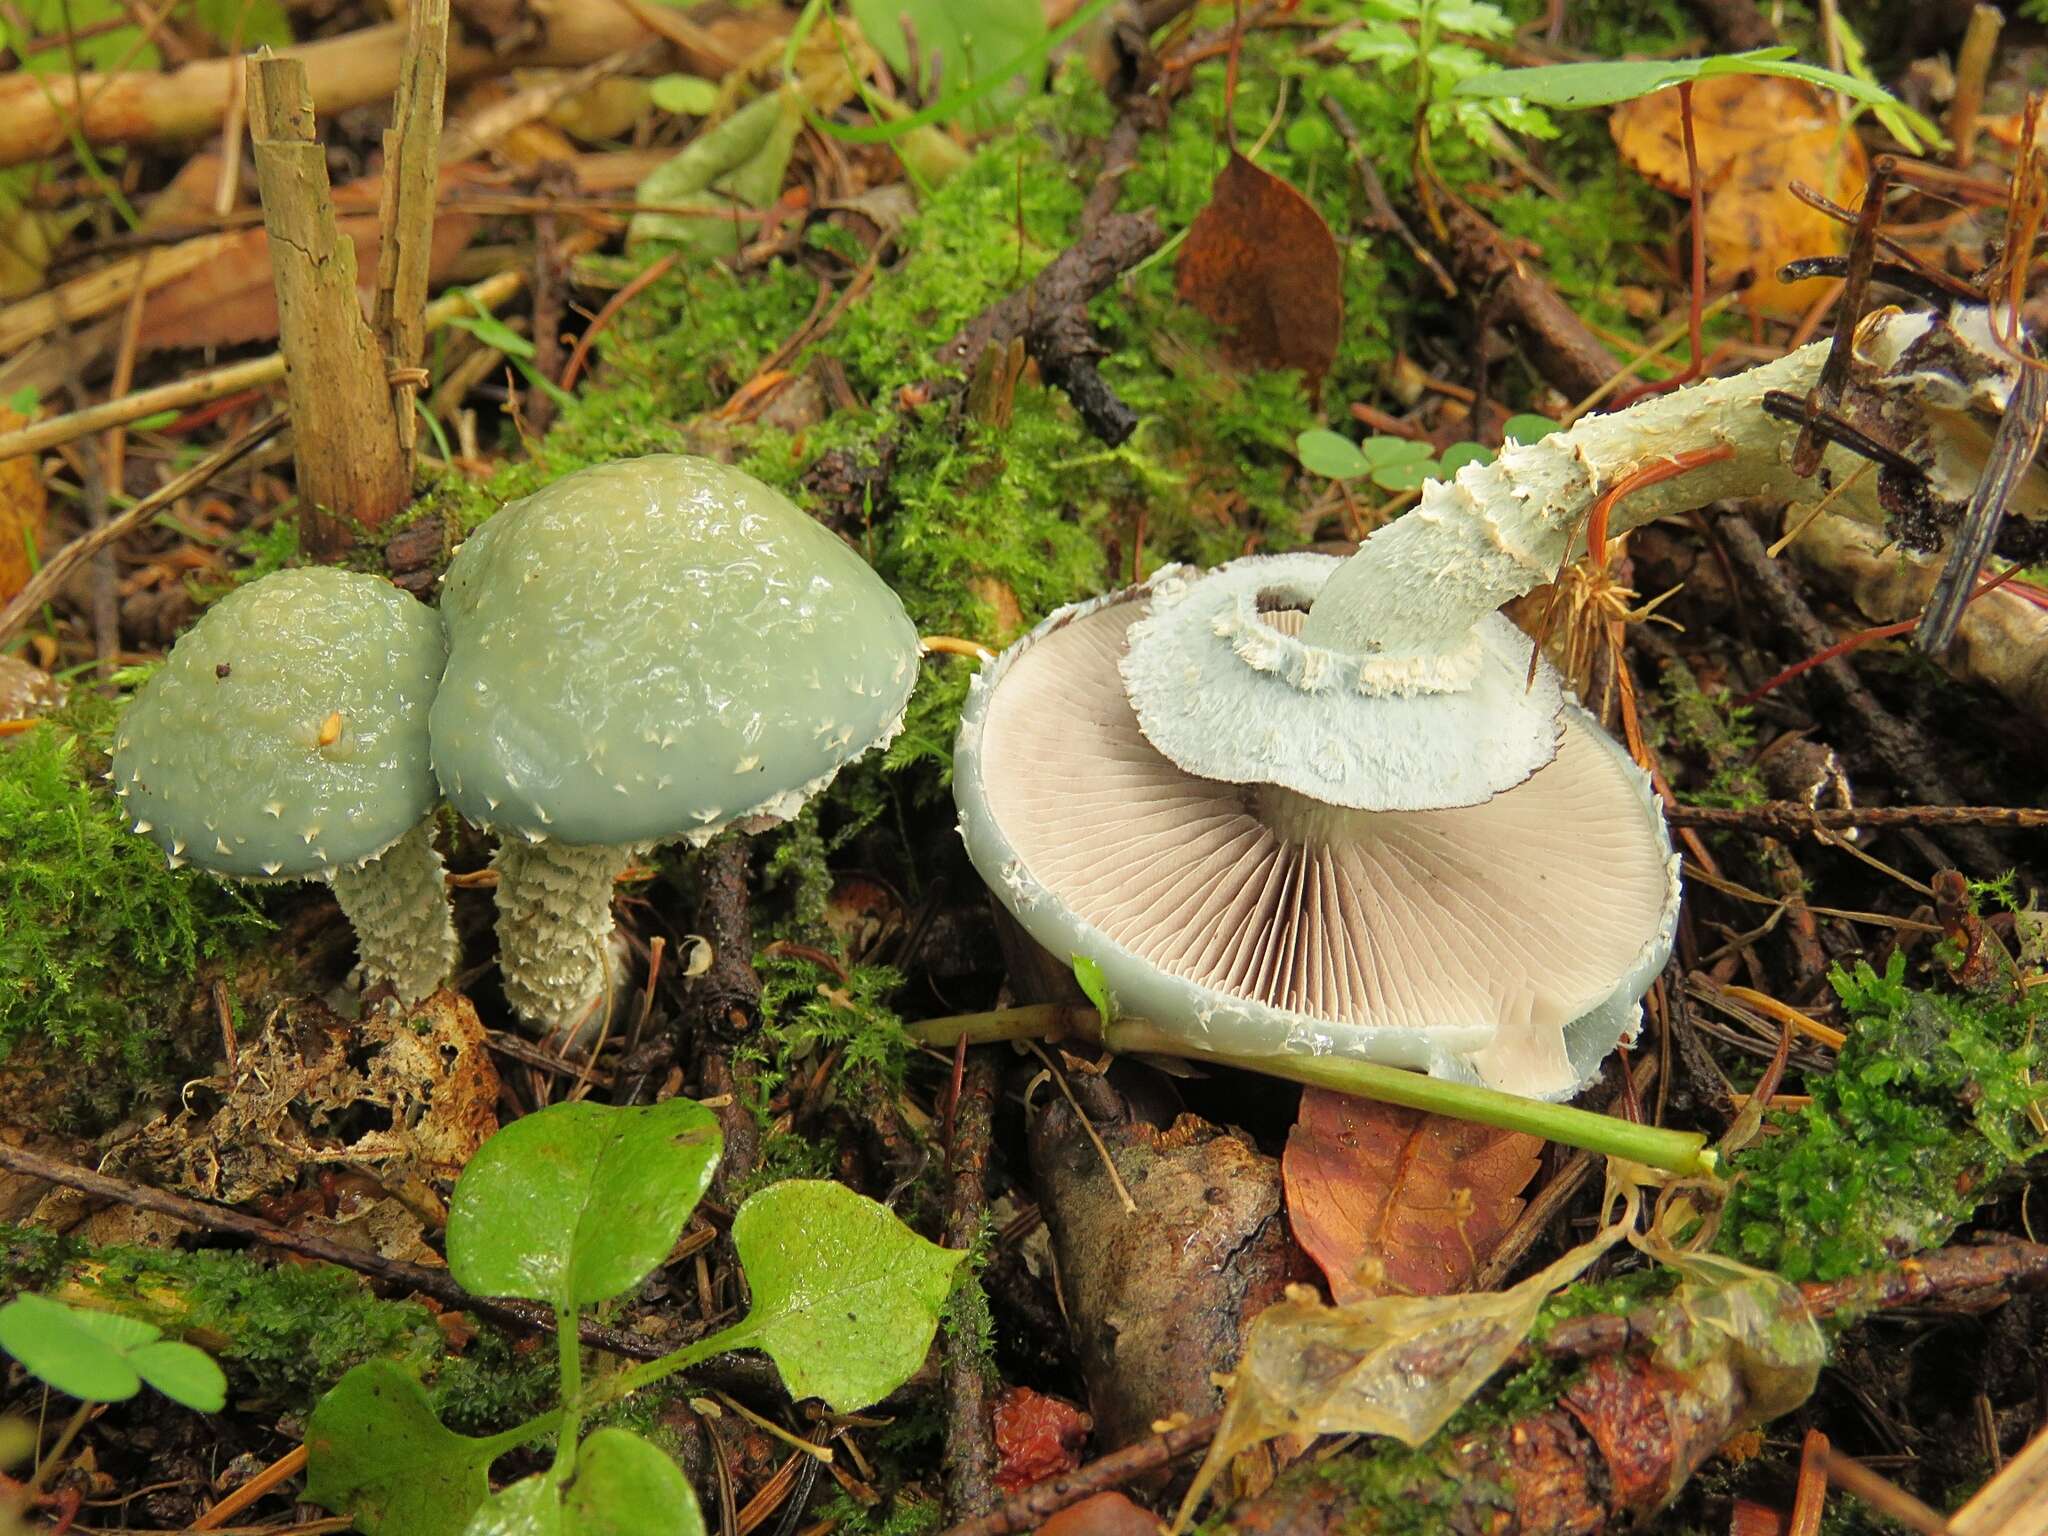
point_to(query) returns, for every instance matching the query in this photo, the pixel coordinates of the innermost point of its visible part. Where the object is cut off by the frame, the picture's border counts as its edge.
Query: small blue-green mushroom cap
(286, 733)
(657, 648)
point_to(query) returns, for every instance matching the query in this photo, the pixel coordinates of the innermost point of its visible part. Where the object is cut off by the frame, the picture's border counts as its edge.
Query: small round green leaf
(846, 1297)
(577, 1203)
(375, 1451)
(1409, 476)
(530, 1507)
(1380, 452)
(626, 1487)
(1458, 455)
(1527, 428)
(81, 1353)
(184, 1374)
(1329, 454)
(689, 95)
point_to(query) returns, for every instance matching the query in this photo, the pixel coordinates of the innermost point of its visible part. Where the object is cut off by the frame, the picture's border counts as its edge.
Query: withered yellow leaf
(1755, 135)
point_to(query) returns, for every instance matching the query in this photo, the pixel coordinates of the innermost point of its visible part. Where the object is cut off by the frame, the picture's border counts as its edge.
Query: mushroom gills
(398, 905)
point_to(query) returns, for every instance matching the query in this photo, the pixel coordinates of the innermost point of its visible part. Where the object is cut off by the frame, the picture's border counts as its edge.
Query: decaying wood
(970, 1406)
(40, 113)
(1157, 1299)
(1075, 276)
(406, 216)
(2001, 640)
(1558, 342)
(352, 469)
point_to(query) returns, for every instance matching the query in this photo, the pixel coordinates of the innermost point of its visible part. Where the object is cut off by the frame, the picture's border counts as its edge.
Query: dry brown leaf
(1391, 1199)
(24, 508)
(1263, 266)
(1755, 135)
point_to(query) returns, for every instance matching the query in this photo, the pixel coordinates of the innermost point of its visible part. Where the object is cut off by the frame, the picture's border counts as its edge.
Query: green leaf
(577, 1203)
(1527, 428)
(183, 1373)
(25, 400)
(961, 43)
(1410, 475)
(688, 95)
(530, 1507)
(1458, 455)
(493, 332)
(1330, 454)
(846, 1298)
(626, 1487)
(1602, 84)
(375, 1452)
(1381, 452)
(738, 163)
(106, 1357)
(1088, 976)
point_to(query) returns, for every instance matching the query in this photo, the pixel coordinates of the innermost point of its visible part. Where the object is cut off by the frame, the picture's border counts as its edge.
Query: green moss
(1713, 727)
(1926, 1106)
(288, 1332)
(95, 932)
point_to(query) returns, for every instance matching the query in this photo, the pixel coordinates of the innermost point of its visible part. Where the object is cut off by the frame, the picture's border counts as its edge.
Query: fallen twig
(970, 1428)
(1788, 818)
(58, 569)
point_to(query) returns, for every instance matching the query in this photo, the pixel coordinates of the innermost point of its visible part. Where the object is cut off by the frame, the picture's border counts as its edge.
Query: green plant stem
(1681, 1152)
(569, 1343)
(69, 1433)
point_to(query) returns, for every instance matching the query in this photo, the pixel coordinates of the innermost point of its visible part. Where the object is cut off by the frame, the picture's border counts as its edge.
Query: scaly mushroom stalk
(398, 905)
(555, 924)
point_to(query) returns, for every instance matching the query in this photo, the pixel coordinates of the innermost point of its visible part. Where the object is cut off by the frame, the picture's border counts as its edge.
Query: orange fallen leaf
(24, 506)
(1263, 266)
(1755, 135)
(1036, 1437)
(1391, 1199)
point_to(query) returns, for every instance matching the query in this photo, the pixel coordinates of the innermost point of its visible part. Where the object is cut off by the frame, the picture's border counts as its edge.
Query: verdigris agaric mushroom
(645, 652)
(1245, 910)
(285, 738)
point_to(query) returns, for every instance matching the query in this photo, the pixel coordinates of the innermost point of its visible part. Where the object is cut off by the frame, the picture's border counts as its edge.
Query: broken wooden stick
(39, 114)
(345, 436)
(412, 149)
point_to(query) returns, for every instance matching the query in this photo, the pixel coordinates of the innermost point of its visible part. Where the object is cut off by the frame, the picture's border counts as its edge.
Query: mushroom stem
(1418, 586)
(398, 905)
(1680, 1152)
(554, 924)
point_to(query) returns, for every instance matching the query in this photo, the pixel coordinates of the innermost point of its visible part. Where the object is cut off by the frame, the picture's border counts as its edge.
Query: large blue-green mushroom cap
(285, 735)
(655, 649)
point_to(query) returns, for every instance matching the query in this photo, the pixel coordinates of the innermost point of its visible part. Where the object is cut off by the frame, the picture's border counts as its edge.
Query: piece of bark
(1157, 1299)
(345, 442)
(2001, 640)
(40, 113)
(405, 222)
(970, 1404)
(1074, 277)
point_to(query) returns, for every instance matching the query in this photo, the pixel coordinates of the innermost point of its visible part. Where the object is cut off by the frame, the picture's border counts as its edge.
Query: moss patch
(1926, 1106)
(95, 932)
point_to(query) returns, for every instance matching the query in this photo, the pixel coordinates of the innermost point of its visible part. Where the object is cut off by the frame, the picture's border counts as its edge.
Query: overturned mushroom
(646, 652)
(285, 738)
(1507, 941)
